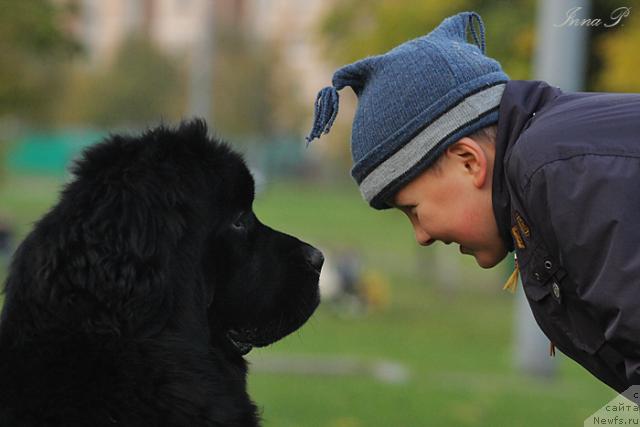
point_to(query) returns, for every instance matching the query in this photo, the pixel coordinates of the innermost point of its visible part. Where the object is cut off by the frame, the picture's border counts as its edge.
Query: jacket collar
(520, 100)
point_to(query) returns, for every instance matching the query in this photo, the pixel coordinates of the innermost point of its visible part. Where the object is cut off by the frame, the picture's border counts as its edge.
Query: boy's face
(452, 202)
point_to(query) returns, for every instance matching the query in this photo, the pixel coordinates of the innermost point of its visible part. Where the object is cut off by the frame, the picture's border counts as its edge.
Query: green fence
(48, 154)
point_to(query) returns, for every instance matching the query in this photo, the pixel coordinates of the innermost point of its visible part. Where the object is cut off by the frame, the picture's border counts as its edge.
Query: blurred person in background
(497, 166)
(6, 242)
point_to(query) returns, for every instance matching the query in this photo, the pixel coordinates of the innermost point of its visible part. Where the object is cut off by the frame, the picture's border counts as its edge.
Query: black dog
(133, 300)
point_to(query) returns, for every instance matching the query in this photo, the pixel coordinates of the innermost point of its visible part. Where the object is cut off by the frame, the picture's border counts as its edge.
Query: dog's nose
(314, 257)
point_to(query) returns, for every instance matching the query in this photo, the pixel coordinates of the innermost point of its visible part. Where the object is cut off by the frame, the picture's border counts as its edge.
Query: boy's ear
(471, 159)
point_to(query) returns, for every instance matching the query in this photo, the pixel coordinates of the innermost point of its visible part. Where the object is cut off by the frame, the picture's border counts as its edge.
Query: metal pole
(560, 61)
(201, 65)
(560, 56)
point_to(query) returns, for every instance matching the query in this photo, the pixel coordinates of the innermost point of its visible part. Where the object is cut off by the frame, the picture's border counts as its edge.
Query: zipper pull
(512, 281)
(552, 349)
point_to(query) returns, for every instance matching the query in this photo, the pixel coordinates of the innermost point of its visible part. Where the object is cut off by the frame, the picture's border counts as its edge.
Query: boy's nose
(422, 237)
(428, 242)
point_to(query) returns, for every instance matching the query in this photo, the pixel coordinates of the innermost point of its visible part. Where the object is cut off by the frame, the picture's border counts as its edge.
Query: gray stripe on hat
(416, 149)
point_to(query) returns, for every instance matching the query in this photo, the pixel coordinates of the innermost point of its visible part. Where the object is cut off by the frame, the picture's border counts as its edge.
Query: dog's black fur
(132, 302)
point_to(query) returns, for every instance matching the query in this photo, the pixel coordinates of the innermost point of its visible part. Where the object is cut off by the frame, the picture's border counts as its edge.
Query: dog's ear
(141, 226)
(121, 249)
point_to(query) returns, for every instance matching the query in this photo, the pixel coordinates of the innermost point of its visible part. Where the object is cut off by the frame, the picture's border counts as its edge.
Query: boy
(441, 133)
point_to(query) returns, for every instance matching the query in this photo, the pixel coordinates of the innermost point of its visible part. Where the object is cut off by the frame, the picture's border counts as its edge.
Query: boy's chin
(489, 259)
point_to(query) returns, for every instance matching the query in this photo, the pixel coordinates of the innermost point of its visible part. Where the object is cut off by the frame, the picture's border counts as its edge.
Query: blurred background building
(267, 58)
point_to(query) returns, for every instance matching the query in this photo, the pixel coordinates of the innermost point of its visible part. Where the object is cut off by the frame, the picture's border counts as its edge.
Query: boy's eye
(409, 210)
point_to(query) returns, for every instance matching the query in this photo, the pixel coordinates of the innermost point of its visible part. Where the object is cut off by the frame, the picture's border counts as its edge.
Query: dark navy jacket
(566, 196)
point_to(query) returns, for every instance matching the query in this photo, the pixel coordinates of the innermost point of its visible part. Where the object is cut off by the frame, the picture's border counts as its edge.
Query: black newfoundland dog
(133, 300)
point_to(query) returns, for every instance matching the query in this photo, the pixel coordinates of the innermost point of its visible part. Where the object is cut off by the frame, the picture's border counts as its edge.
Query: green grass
(459, 352)
(457, 344)
(336, 218)
(455, 341)
(24, 199)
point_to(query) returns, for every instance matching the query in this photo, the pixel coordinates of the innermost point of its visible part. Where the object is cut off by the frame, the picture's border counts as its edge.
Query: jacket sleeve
(588, 207)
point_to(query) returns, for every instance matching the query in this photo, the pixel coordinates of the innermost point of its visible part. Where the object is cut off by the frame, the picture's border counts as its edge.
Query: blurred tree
(357, 28)
(140, 86)
(249, 76)
(354, 29)
(32, 45)
(616, 53)
(510, 28)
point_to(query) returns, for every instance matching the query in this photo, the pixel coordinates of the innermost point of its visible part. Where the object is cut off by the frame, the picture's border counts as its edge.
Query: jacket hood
(520, 100)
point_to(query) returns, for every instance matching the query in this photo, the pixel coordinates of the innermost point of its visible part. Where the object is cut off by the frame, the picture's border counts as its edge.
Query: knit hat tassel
(326, 110)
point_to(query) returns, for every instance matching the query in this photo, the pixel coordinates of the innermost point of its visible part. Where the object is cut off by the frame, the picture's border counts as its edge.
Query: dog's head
(156, 233)
(264, 282)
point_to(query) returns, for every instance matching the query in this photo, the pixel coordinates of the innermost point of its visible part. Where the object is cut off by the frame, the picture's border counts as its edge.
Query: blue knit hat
(413, 102)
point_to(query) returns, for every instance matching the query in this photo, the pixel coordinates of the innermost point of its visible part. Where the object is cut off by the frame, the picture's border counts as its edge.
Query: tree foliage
(32, 47)
(354, 29)
(617, 52)
(140, 86)
(357, 28)
(249, 78)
